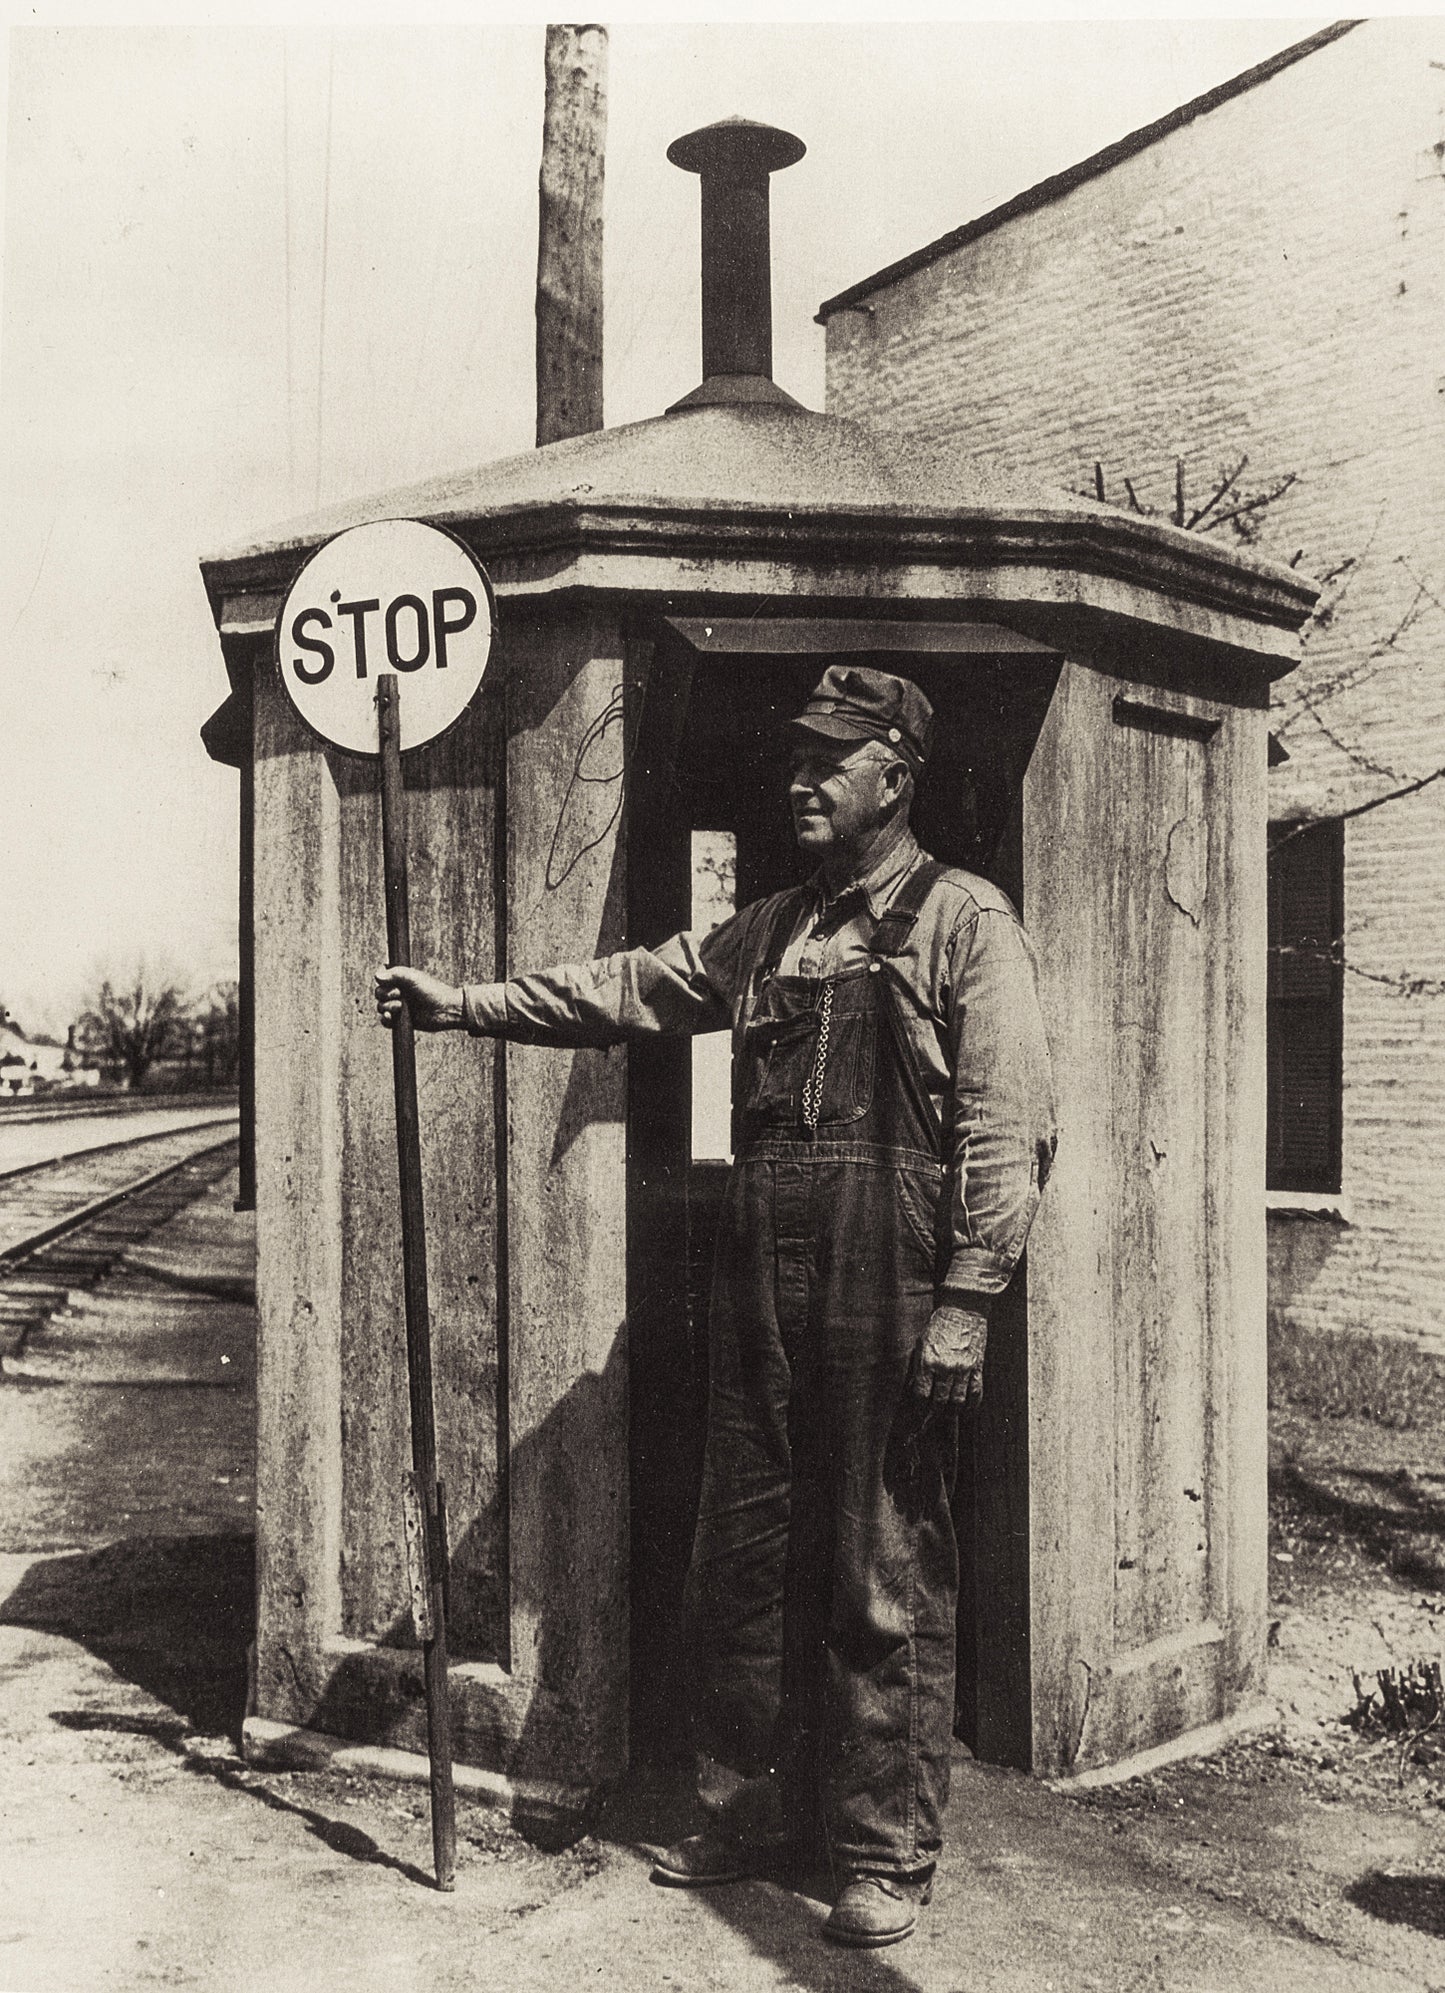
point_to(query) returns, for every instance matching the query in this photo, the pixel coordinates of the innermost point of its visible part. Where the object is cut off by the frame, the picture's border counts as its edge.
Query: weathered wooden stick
(569, 237)
(431, 1623)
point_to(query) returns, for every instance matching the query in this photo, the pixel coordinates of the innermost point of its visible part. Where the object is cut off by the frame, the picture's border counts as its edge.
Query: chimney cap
(734, 145)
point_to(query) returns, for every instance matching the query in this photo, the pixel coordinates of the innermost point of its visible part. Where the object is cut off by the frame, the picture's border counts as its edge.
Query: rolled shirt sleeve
(685, 986)
(999, 1126)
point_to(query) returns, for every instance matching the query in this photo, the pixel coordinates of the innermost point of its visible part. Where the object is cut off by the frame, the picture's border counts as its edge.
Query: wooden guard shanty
(666, 593)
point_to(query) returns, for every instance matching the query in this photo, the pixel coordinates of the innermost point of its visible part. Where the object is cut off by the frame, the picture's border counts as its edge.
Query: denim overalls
(822, 1591)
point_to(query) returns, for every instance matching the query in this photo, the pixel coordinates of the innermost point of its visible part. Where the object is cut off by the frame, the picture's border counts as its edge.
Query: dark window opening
(1306, 1005)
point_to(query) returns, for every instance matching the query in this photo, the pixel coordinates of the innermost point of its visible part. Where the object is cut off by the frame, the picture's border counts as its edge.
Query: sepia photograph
(722, 1003)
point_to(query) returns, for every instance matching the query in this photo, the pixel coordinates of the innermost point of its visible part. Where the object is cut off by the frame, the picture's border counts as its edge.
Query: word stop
(410, 633)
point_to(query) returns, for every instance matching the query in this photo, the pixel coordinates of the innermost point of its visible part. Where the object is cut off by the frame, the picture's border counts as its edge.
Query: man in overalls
(893, 1131)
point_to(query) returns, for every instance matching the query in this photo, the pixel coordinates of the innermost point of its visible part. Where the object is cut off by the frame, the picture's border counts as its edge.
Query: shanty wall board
(567, 1170)
(539, 1563)
(450, 830)
(1146, 1269)
(298, 1210)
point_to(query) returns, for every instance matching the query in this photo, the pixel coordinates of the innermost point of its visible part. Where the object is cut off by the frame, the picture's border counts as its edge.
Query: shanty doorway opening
(709, 832)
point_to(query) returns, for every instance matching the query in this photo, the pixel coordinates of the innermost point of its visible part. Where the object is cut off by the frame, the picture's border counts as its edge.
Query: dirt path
(138, 1850)
(1323, 1828)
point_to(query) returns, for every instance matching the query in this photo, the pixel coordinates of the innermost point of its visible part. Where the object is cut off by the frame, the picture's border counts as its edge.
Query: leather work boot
(877, 1909)
(712, 1857)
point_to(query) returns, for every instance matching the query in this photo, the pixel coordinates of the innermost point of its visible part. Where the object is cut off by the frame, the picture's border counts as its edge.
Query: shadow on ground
(1397, 1518)
(171, 1732)
(174, 1615)
(1416, 1900)
(779, 1917)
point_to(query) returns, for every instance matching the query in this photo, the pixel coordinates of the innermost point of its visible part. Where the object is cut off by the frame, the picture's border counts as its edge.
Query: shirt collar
(879, 884)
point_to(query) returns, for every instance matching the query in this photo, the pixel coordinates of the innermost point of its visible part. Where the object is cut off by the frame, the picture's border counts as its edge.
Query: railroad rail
(25, 1108)
(47, 1254)
(16, 1171)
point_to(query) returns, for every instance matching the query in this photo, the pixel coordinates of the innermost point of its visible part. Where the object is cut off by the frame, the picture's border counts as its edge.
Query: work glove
(948, 1364)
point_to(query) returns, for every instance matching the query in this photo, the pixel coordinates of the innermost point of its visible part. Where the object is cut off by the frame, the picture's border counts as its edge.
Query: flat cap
(853, 702)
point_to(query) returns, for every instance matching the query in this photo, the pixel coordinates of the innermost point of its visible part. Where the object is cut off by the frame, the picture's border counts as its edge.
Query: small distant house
(36, 1065)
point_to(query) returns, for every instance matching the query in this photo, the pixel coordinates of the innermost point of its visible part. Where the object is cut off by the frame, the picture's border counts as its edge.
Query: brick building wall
(1267, 277)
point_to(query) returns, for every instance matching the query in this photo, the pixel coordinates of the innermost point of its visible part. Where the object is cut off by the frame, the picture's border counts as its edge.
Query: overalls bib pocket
(780, 1056)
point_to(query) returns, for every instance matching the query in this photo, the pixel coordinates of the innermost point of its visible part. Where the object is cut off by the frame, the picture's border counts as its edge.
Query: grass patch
(1342, 1374)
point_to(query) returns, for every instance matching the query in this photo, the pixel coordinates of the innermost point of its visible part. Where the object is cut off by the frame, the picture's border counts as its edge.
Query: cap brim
(830, 726)
(848, 733)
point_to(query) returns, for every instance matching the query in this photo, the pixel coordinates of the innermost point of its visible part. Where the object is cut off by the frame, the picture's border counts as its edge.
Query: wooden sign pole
(424, 1502)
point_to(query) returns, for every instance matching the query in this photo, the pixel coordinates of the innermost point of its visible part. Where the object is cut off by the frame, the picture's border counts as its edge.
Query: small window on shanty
(1306, 1005)
(714, 900)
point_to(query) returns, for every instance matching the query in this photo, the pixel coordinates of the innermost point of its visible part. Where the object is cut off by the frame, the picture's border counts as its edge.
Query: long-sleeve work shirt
(968, 988)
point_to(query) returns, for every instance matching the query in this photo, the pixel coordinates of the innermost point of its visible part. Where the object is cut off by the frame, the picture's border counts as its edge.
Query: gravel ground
(139, 1850)
(1325, 1828)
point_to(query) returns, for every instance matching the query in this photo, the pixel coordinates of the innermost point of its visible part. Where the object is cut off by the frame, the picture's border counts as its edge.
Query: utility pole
(569, 242)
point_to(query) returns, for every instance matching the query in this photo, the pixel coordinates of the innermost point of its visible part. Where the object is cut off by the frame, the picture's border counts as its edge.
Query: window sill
(1333, 1205)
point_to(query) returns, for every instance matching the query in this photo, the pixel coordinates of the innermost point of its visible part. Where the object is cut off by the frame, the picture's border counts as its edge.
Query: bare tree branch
(1402, 985)
(1254, 504)
(1381, 654)
(1355, 754)
(1361, 809)
(1424, 587)
(1227, 481)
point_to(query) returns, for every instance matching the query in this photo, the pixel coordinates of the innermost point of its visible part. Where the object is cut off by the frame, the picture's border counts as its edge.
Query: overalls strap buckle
(895, 926)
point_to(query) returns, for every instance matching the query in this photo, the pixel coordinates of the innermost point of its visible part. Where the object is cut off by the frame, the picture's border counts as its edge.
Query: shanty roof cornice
(1113, 544)
(740, 498)
(1059, 184)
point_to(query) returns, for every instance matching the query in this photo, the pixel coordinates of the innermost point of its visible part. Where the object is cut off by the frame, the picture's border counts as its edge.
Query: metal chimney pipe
(734, 160)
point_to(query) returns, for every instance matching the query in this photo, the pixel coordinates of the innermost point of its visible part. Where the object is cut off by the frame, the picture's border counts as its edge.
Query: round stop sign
(395, 596)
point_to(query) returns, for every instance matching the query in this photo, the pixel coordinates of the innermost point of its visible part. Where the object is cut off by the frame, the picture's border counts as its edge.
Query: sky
(253, 268)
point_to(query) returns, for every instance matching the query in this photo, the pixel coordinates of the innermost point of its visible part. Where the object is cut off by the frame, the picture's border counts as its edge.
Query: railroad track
(110, 1106)
(19, 1180)
(65, 1222)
